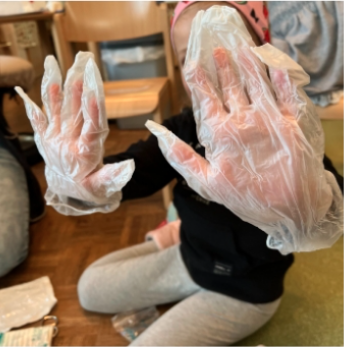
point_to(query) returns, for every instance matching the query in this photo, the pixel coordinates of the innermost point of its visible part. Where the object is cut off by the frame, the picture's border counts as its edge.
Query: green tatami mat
(311, 311)
(333, 130)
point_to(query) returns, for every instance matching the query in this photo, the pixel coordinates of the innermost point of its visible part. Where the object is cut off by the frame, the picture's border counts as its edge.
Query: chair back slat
(110, 20)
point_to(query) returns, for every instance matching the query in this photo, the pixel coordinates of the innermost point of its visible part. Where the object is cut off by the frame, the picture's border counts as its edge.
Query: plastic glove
(70, 138)
(263, 156)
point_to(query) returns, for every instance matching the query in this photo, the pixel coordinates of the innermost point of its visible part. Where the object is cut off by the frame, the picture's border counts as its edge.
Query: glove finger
(257, 82)
(204, 95)
(228, 77)
(77, 118)
(37, 118)
(209, 111)
(55, 102)
(72, 117)
(95, 127)
(51, 90)
(182, 158)
(285, 74)
(110, 178)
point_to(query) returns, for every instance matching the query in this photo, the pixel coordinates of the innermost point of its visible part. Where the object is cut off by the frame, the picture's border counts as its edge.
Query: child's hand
(71, 138)
(258, 162)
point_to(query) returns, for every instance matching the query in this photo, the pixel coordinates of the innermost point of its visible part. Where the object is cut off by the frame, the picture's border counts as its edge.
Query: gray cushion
(15, 71)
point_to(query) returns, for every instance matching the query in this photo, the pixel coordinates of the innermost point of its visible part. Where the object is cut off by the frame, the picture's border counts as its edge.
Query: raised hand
(70, 138)
(258, 162)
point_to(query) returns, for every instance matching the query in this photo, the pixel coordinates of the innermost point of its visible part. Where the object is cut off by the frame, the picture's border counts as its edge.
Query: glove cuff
(74, 207)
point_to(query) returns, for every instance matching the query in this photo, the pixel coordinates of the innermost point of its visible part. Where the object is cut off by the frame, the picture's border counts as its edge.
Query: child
(227, 281)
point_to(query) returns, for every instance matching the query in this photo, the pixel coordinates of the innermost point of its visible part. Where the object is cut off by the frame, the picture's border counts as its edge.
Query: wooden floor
(62, 247)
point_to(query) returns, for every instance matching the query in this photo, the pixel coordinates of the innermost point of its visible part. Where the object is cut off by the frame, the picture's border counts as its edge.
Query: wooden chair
(97, 21)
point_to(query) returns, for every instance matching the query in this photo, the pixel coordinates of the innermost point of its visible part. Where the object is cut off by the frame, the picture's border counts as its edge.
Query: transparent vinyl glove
(70, 137)
(262, 137)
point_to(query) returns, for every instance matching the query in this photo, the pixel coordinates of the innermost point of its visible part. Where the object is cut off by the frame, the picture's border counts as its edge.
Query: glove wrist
(71, 206)
(70, 197)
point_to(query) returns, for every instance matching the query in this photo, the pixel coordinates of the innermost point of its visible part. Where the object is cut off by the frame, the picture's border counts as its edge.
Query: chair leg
(3, 123)
(4, 127)
(167, 196)
(159, 117)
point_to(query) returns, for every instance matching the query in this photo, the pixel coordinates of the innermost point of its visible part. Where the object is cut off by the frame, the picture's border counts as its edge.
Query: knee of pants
(86, 290)
(13, 250)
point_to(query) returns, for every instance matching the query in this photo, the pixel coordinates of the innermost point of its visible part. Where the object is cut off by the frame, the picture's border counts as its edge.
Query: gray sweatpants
(142, 276)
